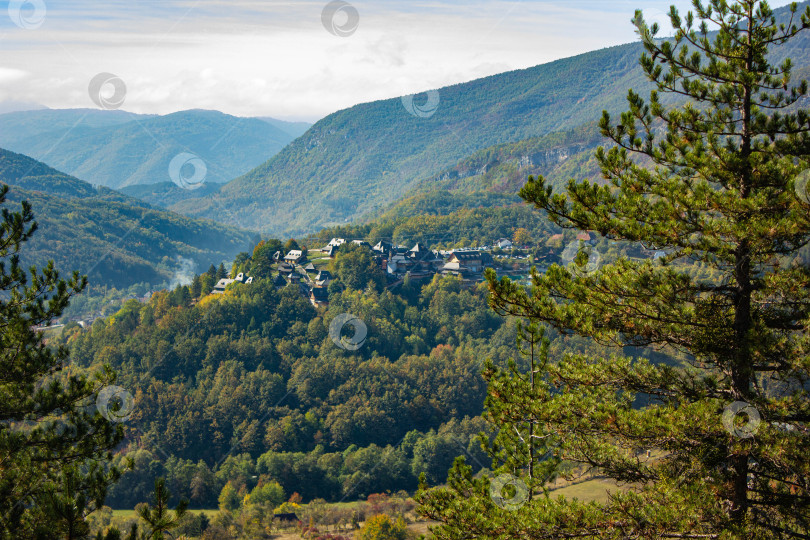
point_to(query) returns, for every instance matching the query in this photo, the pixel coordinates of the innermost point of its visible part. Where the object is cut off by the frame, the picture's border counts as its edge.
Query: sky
(293, 60)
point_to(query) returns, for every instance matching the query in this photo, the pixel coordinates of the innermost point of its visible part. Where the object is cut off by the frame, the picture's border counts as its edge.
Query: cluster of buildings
(396, 261)
(420, 262)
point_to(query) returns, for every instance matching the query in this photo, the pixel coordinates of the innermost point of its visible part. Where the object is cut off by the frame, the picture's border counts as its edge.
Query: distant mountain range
(114, 239)
(11, 105)
(357, 162)
(117, 148)
(293, 129)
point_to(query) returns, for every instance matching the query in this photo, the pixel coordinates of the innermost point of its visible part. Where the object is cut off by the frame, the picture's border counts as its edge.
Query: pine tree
(524, 446)
(196, 287)
(54, 445)
(522, 451)
(712, 444)
(158, 517)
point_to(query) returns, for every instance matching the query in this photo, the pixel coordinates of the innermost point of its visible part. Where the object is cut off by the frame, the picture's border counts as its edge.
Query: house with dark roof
(323, 278)
(285, 269)
(419, 251)
(467, 263)
(399, 264)
(319, 296)
(383, 247)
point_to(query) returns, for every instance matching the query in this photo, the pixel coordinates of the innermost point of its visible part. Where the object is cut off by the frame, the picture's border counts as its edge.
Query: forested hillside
(166, 194)
(112, 238)
(249, 386)
(254, 375)
(361, 159)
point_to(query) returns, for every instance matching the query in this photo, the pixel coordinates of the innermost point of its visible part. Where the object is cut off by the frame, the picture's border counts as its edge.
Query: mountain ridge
(118, 148)
(113, 238)
(360, 160)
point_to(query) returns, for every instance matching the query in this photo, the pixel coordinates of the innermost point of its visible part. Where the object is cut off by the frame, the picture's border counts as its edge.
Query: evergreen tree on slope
(717, 184)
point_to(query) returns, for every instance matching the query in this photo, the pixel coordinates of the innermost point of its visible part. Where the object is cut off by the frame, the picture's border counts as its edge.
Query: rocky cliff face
(526, 162)
(550, 157)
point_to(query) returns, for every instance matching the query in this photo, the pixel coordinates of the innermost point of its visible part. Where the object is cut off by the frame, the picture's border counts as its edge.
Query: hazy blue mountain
(117, 148)
(113, 238)
(22, 125)
(14, 105)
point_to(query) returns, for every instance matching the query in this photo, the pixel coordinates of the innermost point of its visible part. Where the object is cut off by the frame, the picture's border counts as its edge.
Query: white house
(223, 283)
(294, 256)
(504, 243)
(219, 288)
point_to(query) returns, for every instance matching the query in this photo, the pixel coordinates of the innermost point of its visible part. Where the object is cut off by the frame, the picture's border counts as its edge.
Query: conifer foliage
(54, 444)
(714, 443)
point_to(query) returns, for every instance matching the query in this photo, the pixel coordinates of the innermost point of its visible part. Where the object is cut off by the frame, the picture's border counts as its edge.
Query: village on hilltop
(307, 268)
(310, 269)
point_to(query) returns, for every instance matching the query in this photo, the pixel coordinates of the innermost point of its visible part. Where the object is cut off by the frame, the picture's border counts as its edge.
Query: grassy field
(596, 489)
(593, 489)
(129, 514)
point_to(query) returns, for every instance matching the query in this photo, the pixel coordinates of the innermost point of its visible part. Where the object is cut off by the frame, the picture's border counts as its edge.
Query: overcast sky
(289, 59)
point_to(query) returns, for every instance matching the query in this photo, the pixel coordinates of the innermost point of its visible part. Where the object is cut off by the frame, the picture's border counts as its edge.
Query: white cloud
(11, 75)
(276, 58)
